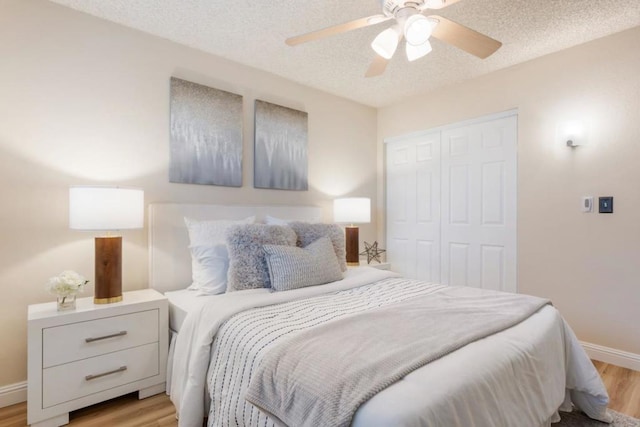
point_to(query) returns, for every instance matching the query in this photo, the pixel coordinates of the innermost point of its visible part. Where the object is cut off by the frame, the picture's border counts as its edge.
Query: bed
(521, 375)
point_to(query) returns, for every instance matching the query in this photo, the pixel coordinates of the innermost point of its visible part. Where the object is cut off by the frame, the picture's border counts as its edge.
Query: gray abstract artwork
(206, 135)
(280, 158)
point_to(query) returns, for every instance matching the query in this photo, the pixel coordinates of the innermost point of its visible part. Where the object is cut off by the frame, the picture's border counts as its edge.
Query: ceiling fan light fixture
(435, 4)
(416, 52)
(417, 29)
(386, 43)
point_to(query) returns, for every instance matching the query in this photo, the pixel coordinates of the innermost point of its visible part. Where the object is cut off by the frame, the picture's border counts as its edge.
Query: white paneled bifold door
(413, 206)
(451, 204)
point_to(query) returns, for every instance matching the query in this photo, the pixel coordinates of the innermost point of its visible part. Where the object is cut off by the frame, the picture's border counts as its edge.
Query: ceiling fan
(412, 25)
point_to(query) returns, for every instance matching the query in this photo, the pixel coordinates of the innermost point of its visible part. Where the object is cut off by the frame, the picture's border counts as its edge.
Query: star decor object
(372, 252)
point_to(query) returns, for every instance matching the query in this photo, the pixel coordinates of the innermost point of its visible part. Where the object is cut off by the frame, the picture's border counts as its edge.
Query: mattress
(181, 303)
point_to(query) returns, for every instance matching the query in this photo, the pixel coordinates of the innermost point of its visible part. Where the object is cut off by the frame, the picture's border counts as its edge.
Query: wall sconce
(572, 133)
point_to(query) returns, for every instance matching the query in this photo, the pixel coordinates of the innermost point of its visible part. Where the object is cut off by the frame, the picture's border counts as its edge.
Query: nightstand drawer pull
(115, 371)
(118, 334)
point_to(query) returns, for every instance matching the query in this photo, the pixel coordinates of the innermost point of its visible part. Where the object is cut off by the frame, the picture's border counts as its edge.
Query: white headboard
(169, 256)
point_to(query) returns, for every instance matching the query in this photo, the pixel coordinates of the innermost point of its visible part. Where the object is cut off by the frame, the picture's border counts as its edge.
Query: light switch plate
(587, 204)
(606, 204)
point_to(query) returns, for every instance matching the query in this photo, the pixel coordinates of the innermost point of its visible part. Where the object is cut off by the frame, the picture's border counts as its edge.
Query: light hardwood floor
(623, 386)
(157, 411)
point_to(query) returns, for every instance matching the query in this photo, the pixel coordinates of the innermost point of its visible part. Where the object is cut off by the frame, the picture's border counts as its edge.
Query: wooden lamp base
(108, 287)
(352, 244)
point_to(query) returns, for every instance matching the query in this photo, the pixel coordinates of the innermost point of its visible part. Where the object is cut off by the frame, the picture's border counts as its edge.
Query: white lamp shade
(105, 208)
(417, 52)
(434, 4)
(352, 210)
(385, 43)
(417, 29)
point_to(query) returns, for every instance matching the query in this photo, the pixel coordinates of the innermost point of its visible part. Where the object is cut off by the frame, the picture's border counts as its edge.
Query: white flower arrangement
(66, 284)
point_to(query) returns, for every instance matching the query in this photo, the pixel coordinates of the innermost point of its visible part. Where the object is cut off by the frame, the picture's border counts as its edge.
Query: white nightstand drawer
(76, 341)
(67, 382)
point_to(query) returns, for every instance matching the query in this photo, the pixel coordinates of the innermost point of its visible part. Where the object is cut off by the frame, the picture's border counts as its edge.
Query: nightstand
(96, 352)
(374, 264)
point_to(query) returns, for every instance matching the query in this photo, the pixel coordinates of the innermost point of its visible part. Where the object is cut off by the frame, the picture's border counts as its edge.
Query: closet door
(413, 206)
(479, 205)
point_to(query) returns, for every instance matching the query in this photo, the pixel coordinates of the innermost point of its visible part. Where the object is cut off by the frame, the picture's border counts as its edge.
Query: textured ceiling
(253, 32)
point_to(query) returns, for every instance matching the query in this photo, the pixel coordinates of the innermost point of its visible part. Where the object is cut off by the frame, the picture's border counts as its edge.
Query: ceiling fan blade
(337, 29)
(377, 67)
(464, 38)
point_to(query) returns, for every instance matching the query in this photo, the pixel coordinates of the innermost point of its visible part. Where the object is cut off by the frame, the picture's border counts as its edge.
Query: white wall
(86, 101)
(587, 264)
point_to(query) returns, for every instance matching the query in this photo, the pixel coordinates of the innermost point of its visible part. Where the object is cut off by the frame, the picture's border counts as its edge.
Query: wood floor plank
(127, 411)
(622, 384)
(14, 415)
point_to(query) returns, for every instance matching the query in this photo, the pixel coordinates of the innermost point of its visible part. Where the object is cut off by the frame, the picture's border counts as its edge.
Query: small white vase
(67, 302)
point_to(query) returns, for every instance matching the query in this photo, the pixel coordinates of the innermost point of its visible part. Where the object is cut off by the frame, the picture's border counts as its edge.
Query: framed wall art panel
(280, 156)
(206, 135)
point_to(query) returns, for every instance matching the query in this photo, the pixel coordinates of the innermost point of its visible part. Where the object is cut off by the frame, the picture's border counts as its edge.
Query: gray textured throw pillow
(308, 233)
(247, 265)
(291, 267)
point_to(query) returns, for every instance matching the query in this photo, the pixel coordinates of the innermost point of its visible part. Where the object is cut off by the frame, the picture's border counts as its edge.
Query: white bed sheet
(519, 375)
(181, 303)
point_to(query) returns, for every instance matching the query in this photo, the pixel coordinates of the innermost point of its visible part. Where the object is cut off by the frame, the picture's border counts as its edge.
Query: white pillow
(209, 265)
(272, 220)
(210, 232)
(209, 255)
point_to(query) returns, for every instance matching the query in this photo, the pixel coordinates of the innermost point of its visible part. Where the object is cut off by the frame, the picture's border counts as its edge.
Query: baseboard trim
(13, 393)
(612, 356)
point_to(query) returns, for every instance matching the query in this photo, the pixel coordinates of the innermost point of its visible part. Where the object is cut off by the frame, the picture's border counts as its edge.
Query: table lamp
(352, 210)
(106, 209)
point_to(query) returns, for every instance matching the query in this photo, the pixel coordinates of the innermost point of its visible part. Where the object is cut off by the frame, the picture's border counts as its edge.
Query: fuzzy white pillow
(308, 233)
(209, 254)
(247, 264)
